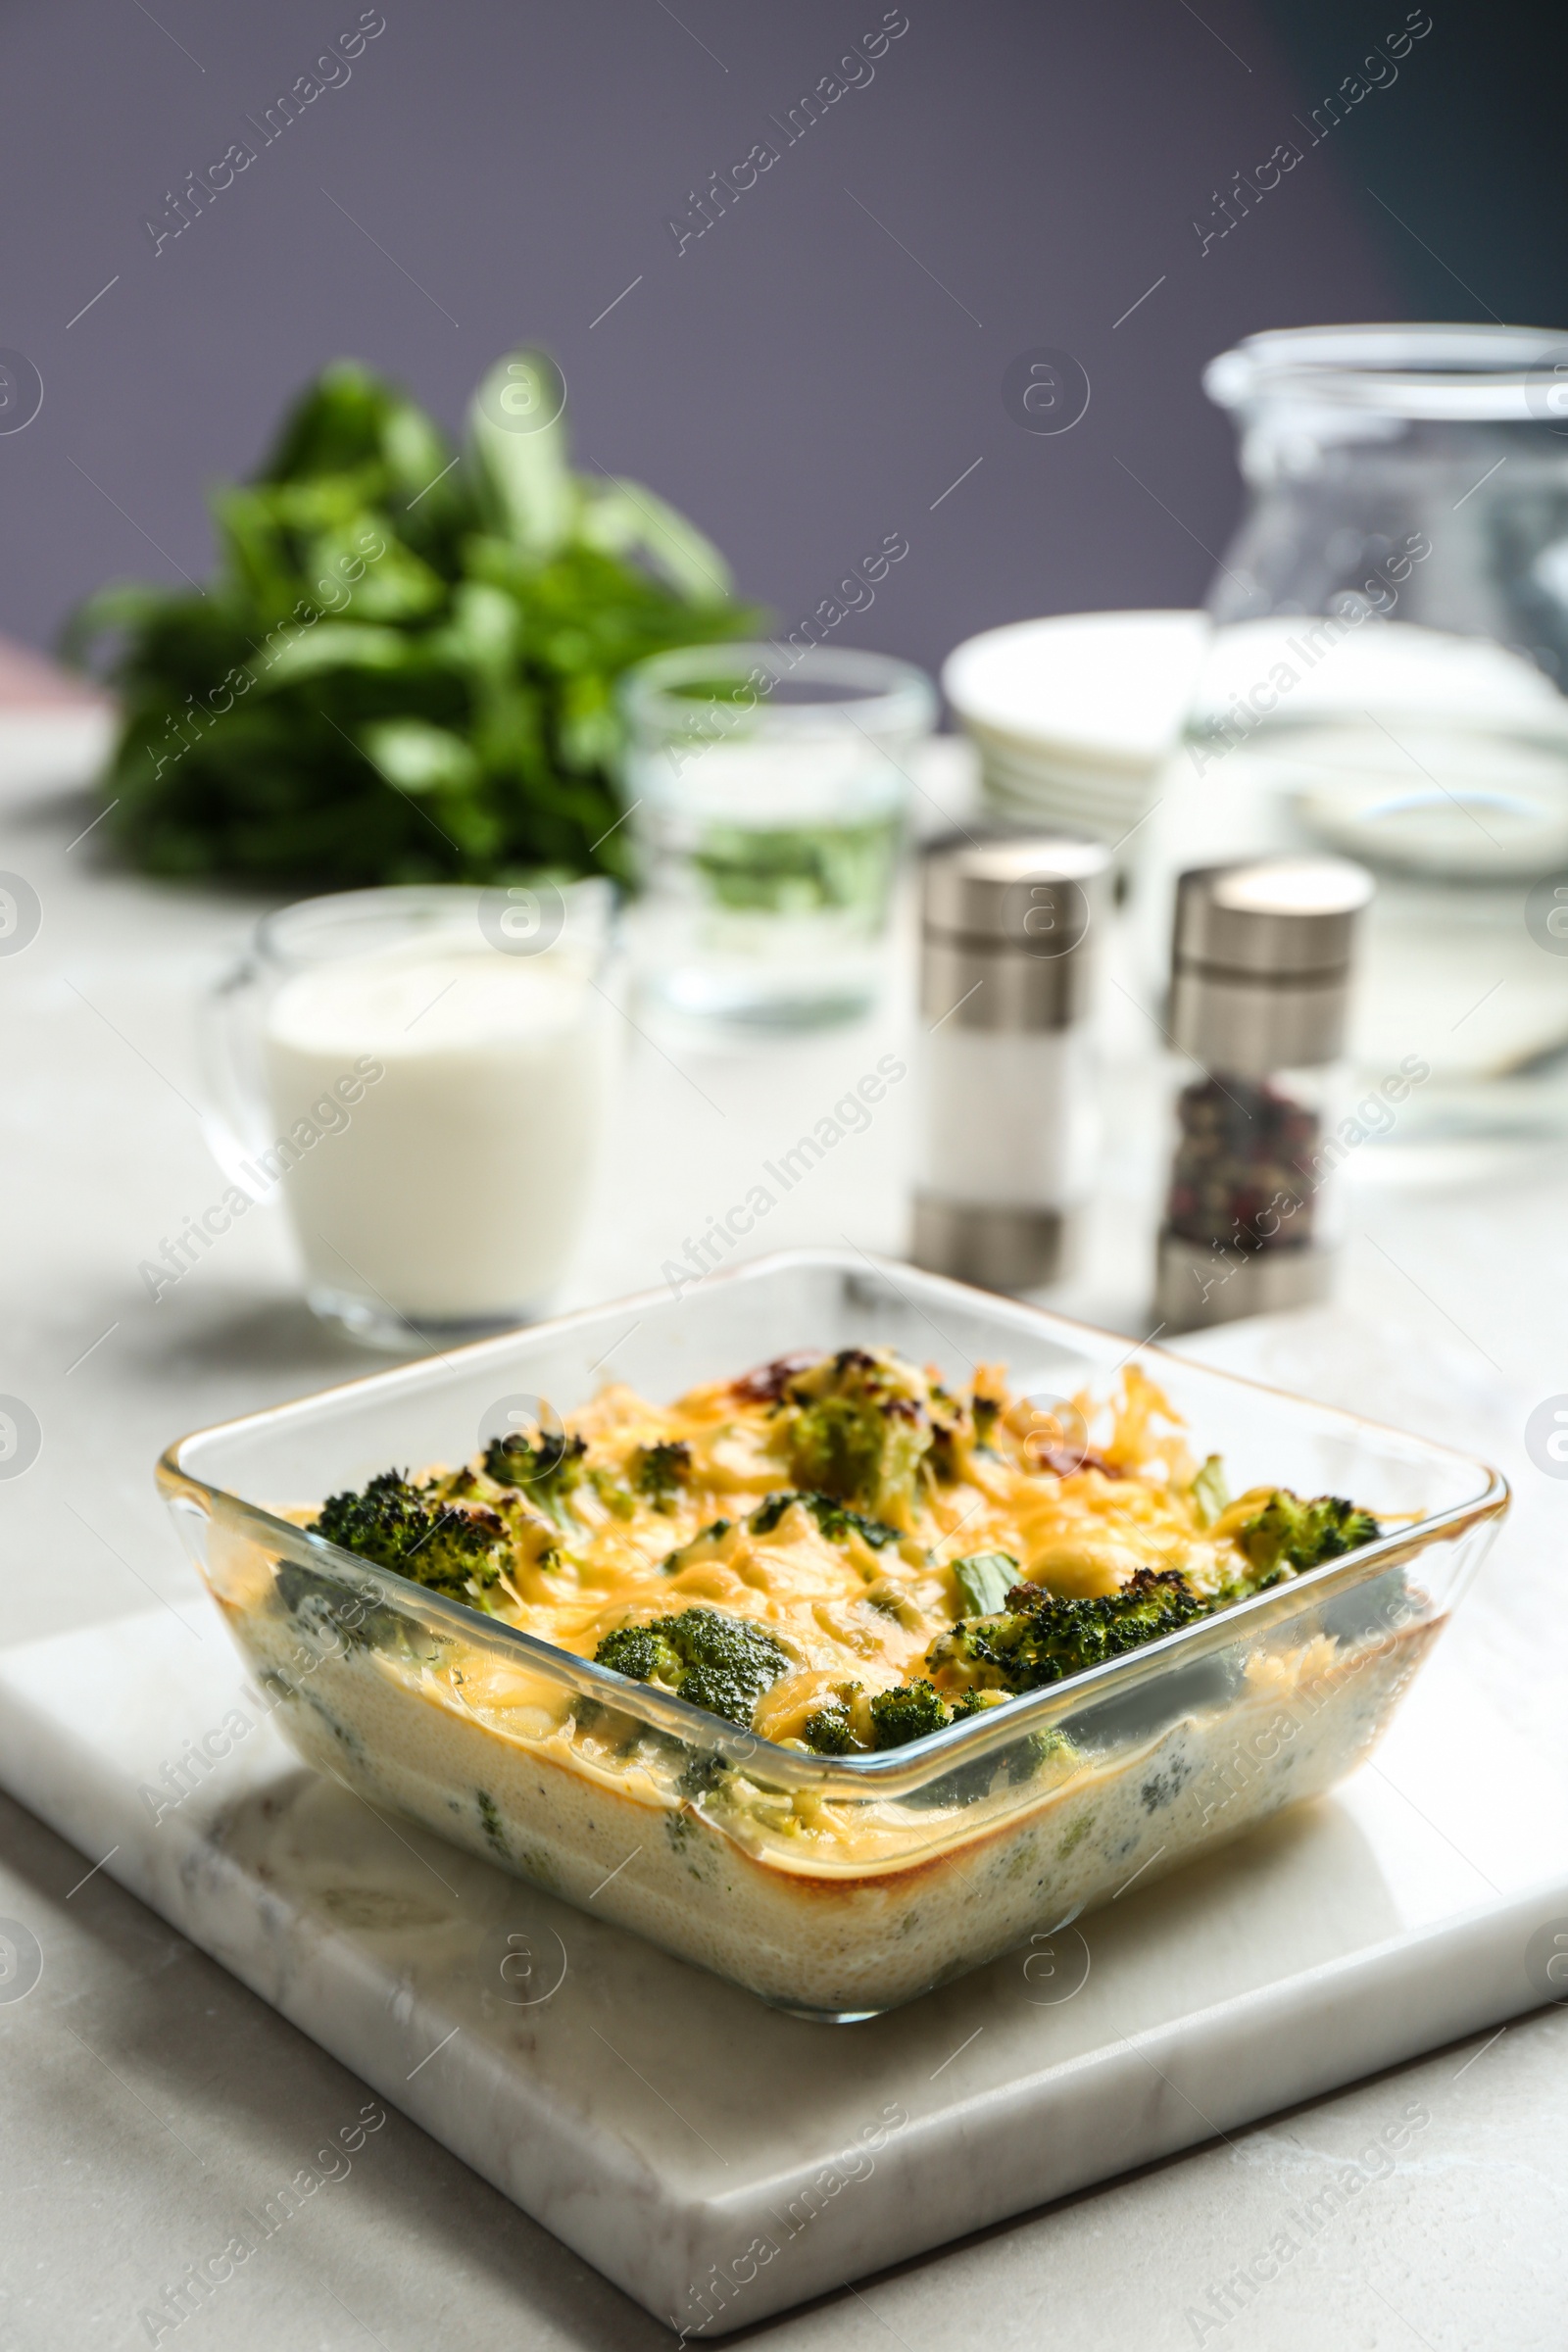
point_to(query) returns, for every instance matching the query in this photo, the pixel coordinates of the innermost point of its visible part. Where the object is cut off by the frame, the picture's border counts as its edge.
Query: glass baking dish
(833, 1888)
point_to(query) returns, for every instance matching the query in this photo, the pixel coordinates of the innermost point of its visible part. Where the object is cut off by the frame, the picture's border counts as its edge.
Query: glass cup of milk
(422, 1075)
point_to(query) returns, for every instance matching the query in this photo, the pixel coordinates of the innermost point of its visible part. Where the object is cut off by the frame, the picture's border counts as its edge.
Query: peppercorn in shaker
(1009, 938)
(1261, 972)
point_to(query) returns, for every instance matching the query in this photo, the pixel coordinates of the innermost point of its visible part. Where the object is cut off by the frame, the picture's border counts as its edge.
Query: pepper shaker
(1010, 939)
(1262, 961)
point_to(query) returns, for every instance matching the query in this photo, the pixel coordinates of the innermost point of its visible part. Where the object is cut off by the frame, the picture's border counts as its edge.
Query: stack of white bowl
(1072, 717)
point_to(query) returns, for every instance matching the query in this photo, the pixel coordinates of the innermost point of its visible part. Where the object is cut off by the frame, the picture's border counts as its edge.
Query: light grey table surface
(149, 2100)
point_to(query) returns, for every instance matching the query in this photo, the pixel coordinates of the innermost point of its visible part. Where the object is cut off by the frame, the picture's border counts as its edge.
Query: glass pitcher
(1388, 678)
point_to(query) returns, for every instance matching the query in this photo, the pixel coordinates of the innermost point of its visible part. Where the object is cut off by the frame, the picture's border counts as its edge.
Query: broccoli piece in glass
(913, 1711)
(705, 1775)
(660, 1470)
(455, 1548)
(859, 1428)
(332, 1613)
(1038, 1640)
(835, 1519)
(707, 1656)
(549, 1470)
(1289, 1533)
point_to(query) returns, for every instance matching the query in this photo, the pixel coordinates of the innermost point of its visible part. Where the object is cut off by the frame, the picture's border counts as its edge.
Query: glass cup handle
(234, 1097)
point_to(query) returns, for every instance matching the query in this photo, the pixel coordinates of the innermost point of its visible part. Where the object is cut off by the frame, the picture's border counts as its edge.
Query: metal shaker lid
(1010, 929)
(1261, 964)
(1273, 917)
(1025, 891)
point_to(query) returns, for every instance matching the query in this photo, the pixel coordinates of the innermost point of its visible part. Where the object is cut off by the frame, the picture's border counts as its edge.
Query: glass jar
(1388, 678)
(769, 789)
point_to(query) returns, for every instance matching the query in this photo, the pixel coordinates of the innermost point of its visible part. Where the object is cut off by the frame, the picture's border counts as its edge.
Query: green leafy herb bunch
(403, 669)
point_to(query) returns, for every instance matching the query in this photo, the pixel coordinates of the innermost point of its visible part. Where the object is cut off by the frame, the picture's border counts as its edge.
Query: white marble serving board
(720, 2161)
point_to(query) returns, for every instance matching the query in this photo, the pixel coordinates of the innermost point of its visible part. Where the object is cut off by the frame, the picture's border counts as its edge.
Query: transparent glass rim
(346, 922)
(875, 694)
(1446, 373)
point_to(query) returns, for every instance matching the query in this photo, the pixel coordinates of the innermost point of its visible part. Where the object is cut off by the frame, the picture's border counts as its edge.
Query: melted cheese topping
(855, 1608)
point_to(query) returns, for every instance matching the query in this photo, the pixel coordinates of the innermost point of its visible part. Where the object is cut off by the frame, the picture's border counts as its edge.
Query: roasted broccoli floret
(828, 1732)
(765, 1383)
(455, 1548)
(978, 1703)
(707, 1656)
(661, 1470)
(1038, 1640)
(857, 1428)
(642, 1653)
(549, 1470)
(1290, 1533)
(911, 1712)
(835, 1519)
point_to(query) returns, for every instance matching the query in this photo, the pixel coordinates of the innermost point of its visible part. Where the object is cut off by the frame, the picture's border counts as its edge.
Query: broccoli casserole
(834, 1677)
(838, 1553)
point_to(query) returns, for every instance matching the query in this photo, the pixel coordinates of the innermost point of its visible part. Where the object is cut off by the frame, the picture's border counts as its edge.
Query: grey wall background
(805, 377)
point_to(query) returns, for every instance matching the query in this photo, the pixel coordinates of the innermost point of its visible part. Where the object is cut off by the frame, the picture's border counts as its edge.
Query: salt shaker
(1262, 962)
(1011, 930)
